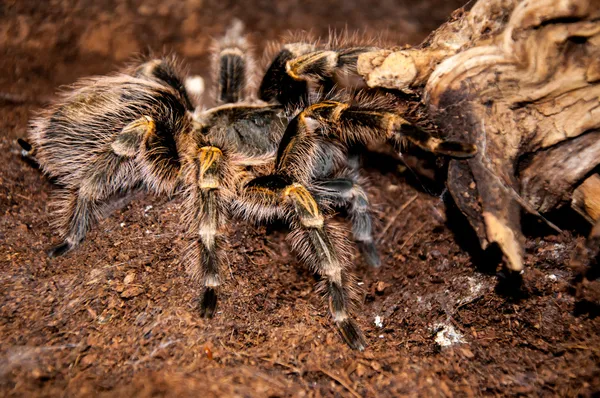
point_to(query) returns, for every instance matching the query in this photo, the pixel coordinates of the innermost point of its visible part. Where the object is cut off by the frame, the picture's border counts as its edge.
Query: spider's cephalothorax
(280, 156)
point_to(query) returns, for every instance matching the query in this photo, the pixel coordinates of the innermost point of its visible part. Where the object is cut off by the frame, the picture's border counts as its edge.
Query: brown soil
(119, 317)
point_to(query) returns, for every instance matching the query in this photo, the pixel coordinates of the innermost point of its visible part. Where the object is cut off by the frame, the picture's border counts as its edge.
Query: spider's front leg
(318, 243)
(206, 215)
(366, 120)
(362, 122)
(299, 67)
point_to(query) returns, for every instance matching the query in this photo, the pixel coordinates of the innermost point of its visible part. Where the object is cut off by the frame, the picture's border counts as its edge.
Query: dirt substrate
(119, 317)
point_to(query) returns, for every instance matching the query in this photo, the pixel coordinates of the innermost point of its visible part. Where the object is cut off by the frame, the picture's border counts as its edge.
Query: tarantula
(281, 156)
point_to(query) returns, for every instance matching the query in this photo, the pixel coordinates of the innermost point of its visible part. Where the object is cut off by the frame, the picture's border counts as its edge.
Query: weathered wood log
(521, 80)
(586, 200)
(564, 166)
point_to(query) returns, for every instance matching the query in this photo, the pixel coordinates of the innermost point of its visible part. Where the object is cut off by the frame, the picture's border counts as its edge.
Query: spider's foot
(208, 303)
(27, 153)
(352, 334)
(455, 149)
(60, 249)
(26, 146)
(370, 253)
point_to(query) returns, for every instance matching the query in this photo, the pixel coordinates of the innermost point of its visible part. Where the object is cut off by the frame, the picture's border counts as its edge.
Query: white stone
(447, 335)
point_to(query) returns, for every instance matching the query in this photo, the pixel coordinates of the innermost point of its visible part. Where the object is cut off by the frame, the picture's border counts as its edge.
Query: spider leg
(142, 147)
(232, 64)
(76, 214)
(28, 153)
(164, 71)
(205, 212)
(277, 85)
(231, 84)
(150, 142)
(318, 243)
(111, 174)
(348, 192)
(362, 123)
(109, 179)
(327, 66)
(300, 67)
(301, 150)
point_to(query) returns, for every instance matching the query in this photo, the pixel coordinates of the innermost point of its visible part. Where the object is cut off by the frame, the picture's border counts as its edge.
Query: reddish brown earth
(119, 317)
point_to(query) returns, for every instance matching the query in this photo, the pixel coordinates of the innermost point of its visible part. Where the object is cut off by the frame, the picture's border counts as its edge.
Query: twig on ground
(341, 381)
(410, 237)
(395, 216)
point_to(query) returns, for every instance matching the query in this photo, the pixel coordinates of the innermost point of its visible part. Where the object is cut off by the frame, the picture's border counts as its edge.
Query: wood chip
(132, 292)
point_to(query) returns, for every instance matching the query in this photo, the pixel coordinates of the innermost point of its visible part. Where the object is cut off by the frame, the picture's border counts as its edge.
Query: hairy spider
(282, 156)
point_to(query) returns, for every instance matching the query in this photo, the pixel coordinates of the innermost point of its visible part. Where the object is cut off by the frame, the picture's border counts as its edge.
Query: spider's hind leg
(141, 148)
(165, 71)
(78, 211)
(109, 179)
(233, 65)
(28, 153)
(76, 215)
